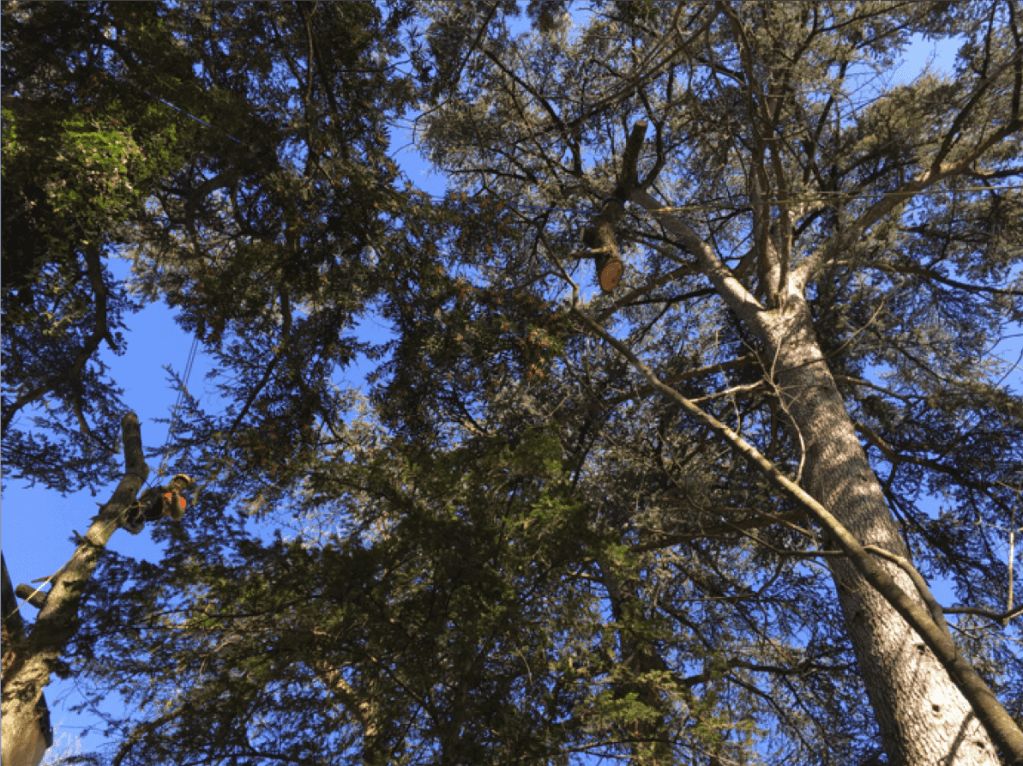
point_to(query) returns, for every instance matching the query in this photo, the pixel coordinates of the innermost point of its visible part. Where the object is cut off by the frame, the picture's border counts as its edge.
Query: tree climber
(151, 505)
(158, 502)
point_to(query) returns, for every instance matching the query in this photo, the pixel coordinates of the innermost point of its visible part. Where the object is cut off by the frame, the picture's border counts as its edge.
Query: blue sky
(37, 524)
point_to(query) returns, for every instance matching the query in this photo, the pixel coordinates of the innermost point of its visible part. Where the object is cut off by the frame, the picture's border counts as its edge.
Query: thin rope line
(189, 363)
(182, 388)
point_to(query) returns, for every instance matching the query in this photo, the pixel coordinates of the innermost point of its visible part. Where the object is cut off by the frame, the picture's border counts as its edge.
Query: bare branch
(1003, 617)
(1002, 728)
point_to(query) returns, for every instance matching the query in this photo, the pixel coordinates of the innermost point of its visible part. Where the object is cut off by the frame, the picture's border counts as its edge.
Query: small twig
(1003, 617)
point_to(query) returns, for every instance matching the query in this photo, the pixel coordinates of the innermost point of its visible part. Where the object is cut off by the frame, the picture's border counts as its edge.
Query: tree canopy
(687, 518)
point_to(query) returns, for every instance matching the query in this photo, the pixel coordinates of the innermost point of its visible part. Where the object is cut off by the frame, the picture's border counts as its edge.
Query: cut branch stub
(599, 237)
(609, 272)
(603, 246)
(28, 670)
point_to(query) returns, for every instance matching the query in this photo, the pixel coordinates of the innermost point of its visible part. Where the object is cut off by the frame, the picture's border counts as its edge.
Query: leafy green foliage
(80, 157)
(511, 548)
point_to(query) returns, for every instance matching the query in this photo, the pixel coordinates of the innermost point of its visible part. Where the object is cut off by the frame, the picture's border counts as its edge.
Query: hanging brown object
(603, 247)
(599, 237)
(609, 272)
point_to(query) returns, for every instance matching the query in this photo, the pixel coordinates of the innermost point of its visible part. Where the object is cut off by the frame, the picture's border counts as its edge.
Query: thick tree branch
(599, 237)
(55, 624)
(891, 200)
(33, 659)
(999, 724)
(918, 581)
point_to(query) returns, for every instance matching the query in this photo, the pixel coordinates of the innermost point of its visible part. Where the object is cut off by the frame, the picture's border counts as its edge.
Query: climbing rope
(172, 425)
(182, 389)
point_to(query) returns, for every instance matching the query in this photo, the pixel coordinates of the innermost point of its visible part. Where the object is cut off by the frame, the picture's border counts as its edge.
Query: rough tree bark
(931, 705)
(34, 658)
(909, 599)
(922, 716)
(36, 735)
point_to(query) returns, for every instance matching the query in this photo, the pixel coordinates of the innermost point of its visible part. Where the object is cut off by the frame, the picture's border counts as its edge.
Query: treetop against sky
(456, 501)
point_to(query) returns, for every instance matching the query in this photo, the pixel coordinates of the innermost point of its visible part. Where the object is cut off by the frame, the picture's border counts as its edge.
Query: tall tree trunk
(923, 717)
(26, 732)
(363, 706)
(32, 659)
